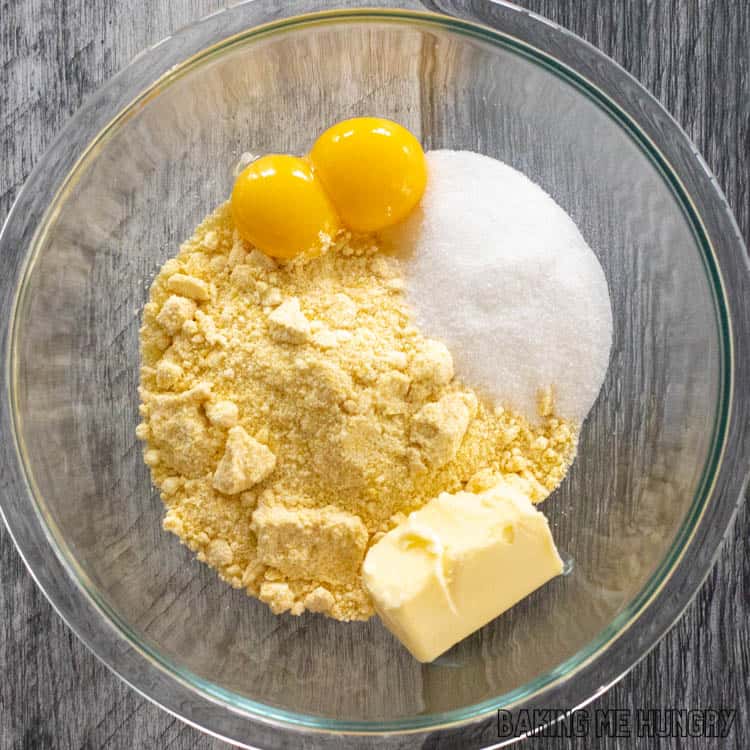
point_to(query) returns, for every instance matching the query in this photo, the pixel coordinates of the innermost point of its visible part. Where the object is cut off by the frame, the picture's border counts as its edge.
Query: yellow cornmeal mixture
(293, 414)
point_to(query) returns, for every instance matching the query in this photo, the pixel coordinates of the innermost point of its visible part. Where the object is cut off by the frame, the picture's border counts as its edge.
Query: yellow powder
(293, 414)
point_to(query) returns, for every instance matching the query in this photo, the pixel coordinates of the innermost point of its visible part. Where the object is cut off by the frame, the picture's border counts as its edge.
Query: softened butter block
(457, 563)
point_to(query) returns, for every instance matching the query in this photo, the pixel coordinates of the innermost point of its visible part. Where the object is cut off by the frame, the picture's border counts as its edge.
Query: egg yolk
(279, 205)
(374, 171)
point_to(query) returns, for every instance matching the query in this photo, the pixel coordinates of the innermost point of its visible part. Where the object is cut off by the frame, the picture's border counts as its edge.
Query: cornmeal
(293, 415)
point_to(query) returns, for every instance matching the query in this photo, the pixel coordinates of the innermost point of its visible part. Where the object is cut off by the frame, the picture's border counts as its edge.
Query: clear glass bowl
(662, 456)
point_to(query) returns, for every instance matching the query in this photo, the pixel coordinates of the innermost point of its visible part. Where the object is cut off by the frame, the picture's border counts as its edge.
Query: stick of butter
(457, 563)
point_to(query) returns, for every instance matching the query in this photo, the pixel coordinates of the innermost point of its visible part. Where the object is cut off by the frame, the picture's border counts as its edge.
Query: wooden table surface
(694, 55)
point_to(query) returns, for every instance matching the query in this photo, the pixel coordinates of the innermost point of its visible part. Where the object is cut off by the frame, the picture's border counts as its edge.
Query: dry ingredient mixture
(293, 414)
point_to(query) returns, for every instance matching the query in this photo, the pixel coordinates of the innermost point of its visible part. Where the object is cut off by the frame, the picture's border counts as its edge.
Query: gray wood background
(694, 55)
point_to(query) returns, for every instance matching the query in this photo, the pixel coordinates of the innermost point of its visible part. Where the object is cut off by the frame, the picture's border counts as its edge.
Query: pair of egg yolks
(366, 173)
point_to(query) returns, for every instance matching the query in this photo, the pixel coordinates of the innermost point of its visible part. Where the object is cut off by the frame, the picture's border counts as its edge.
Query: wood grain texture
(692, 54)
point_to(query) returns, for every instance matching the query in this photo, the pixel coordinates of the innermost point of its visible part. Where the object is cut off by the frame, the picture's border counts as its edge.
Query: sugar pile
(501, 274)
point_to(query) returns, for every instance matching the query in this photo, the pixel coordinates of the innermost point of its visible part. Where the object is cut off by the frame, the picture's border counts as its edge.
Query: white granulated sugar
(501, 274)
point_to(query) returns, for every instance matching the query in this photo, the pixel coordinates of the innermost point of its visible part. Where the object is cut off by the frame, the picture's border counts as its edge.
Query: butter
(457, 563)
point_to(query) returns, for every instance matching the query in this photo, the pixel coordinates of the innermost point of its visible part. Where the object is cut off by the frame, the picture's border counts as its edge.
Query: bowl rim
(190, 697)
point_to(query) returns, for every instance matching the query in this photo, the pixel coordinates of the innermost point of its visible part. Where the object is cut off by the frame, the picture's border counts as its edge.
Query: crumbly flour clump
(294, 414)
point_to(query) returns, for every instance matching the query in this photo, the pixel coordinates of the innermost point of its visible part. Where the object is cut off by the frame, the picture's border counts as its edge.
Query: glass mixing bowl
(662, 456)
